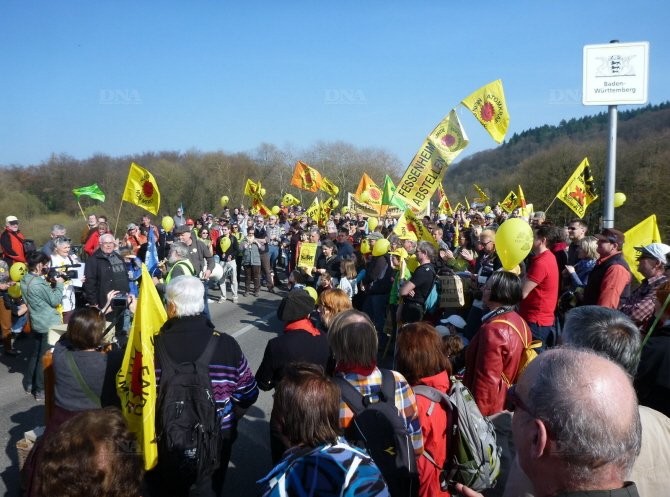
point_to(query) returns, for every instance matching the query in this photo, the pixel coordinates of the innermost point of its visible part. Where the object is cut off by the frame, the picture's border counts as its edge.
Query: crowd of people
(361, 302)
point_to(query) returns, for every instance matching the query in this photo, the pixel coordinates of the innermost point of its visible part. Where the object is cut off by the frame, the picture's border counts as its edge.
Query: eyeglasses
(512, 401)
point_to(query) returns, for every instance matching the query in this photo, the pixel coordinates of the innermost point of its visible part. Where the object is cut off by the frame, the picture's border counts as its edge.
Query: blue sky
(120, 77)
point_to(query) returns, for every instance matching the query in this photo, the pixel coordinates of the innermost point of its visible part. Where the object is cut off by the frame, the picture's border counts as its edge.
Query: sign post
(614, 74)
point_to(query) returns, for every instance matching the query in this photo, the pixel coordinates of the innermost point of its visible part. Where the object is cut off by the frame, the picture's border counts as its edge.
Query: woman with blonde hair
(331, 303)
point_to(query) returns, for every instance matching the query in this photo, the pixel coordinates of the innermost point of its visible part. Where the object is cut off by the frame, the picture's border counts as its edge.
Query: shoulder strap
(169, 364)
(510, 324)
(357, 402)
(436, 397)
(72, 365)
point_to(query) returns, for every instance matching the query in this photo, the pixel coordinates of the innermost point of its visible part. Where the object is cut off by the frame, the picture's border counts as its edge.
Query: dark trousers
(545, 333)
(34, 378)
(266, 268)
(252, 273)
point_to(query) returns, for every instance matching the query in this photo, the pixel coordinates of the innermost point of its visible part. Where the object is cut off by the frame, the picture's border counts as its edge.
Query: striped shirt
(404, 401)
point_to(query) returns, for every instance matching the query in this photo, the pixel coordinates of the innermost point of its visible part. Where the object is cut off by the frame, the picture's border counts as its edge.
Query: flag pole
(82, 210)
(552, 203)
(118, 215)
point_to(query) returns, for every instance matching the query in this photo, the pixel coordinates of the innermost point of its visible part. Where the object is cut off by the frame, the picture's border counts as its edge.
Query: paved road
(252, 322)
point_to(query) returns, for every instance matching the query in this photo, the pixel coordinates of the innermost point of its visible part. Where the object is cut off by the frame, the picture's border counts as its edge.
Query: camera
(65, 272)
(120, 301)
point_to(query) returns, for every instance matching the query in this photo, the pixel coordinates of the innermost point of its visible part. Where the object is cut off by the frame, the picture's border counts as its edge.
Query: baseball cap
(454, 319)
(611, 235)
(190, 222)
(400, 252)
(131, 226)
(658, 251)
(10, 219)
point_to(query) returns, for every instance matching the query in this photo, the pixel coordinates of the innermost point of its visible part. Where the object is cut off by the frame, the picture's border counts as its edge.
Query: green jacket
(42, 301)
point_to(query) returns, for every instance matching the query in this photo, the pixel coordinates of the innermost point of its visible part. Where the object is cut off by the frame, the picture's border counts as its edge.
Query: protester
(494, 353)
(653, 376)
(414, 292)
(610, 279)
(421, 358)
(319, 461)
(611, 333)
(251, 262)
(301, 341)
(91, 454)
(586, 257)
(12, 242)
(330, 303)
(63, 261)
(93, 241)
(57, 231)
(184, 337)
(569, 440)
(651, 262)
(42, 298)
(540, 289)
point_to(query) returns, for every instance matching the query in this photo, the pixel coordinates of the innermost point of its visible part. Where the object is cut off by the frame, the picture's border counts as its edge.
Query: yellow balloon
(18, 270)
(373, 222)
(335, 203)
(365, 247)
(224, 244)
(381, 247)
(345, 209)
(14, 291)
(224, 200)
(167, 223)
(514, 240)
(263, 192)
(312, 293)
(619, 199)
(365, 197)
(275, 210)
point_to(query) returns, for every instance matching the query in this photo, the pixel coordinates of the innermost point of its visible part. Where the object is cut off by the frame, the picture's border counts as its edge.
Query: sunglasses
(512, 401)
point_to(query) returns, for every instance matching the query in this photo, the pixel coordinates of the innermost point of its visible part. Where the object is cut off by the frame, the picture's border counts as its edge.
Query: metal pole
(610, 173)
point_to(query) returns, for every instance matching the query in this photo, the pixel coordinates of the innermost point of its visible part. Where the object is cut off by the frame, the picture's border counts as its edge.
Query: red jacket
(434, 430)
(494, 351)
(12, 246)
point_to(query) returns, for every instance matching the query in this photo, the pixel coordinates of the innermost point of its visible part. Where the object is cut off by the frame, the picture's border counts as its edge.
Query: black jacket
(102, 277)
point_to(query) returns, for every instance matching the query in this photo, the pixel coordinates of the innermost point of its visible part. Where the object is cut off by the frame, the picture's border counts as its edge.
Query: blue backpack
(432, 302)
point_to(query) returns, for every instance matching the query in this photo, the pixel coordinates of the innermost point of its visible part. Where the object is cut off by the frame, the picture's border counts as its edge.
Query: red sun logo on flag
(448, 140)
(147, 189)
(487, 112)
(375, 194)
(578, 195)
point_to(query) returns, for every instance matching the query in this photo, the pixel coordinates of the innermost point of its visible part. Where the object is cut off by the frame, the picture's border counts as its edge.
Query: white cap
(456, 320)
(443, 331)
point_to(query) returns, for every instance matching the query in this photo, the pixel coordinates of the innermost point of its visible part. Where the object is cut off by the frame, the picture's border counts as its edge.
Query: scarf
(343, 367)
(303, 324)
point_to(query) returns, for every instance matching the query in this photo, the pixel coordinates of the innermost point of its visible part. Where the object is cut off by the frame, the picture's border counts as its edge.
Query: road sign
(616, 74)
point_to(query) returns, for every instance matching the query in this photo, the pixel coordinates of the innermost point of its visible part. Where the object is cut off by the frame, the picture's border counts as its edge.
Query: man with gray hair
(570, 438)
(105, 271)
(184, 338)
(613, 334)
(57, 231)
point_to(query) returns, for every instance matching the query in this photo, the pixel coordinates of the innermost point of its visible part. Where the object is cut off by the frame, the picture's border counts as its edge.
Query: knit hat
(296, 305)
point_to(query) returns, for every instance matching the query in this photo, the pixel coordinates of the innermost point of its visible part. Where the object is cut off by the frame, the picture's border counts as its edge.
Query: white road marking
(251, 326)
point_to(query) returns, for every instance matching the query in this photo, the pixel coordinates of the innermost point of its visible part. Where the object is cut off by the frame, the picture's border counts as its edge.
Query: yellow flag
(306, 177)
(136, 380)
(467, 204)
(314, 210)
(444, 205)
(252, 189)
(260, 208)
(329, 187)
(641, 234)
(578, 191)
(422, 176)
(510, 203)
(369, 193)
(449, 137)
(289, 200)
(483, 197)
(408, 222)
(141, 189)
(488, 106)
(307, 255)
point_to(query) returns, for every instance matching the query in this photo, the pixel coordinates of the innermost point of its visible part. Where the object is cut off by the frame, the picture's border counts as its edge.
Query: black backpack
(187, 426)
(378, 427)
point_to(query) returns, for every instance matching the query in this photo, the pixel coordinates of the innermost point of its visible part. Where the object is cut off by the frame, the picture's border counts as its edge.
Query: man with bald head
(576, 425)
